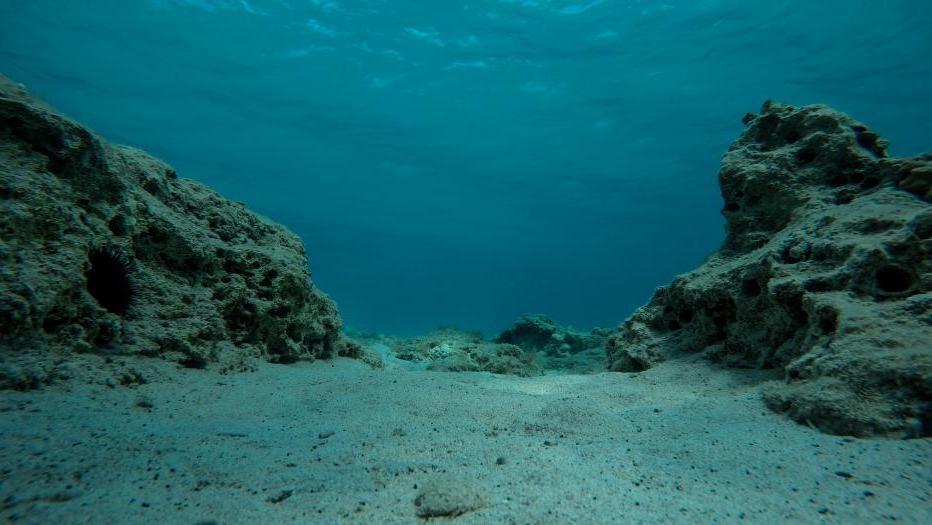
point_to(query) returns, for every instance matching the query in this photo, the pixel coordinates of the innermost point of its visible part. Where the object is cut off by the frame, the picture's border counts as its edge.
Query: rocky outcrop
(541, 334)
(105, 250)
(558, 347)
(452, 350)
(825, 274)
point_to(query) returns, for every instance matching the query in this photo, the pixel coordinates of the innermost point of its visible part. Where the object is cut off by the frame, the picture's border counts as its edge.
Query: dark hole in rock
(817, 285)
(722, 315)
(739, 194)
(269, 278)
(155, 235)
(636, 365)
(838, 180)
(193, 361)
(806, 155)
(922, 227)
(109, 280)
(52, 323)
(793, 136)
(875, 225)
(870, 182)
(191, 264)
(118, 225)
(674, 325)
(794, 307)
(152, 187)
(750, 288)
(686, 316)
(280, 311)
(828, 322)
(236, 267)
(868, 140)
(893, 279)
(55, 164)
(857, 177)
(844, 197)
(732, 207)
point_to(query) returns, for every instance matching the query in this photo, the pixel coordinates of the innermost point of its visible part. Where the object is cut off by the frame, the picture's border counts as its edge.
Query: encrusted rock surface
(452, 350)
(558, 347)
(103, 249)
(540, 333)
(825, 275)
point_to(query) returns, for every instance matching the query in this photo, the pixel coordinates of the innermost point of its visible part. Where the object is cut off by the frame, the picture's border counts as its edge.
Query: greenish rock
(452, 350)
(104, 249)
(825, 276)
(559, 348)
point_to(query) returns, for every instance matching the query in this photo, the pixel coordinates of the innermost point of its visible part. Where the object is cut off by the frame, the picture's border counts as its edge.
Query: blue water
(463, 162)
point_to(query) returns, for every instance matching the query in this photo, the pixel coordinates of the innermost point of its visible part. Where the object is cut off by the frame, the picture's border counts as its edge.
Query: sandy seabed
(338, 442)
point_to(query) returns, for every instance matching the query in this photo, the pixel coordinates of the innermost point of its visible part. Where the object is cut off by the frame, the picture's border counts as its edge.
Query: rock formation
(825, 274)
(451, 350)
(558, 347)
(105, 250)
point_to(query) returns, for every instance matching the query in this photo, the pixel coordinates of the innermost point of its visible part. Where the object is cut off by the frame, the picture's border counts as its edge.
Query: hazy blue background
(462, 162)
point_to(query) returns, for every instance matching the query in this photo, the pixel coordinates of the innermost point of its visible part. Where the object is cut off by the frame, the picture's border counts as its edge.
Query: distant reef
(103, 249)
(532, 346)
(825, 275)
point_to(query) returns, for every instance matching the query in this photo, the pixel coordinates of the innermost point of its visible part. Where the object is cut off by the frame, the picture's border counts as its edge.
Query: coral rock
(825, 274)
(452, 350)
(104, 249)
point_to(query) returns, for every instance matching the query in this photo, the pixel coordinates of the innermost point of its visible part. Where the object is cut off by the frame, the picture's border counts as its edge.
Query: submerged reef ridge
(825, 274)
(105, 250)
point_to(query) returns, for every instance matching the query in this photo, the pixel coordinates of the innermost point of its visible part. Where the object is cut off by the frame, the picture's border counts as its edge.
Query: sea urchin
(109, 279)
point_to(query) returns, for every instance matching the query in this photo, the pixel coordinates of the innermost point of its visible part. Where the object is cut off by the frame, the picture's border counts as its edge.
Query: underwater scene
(465, 261)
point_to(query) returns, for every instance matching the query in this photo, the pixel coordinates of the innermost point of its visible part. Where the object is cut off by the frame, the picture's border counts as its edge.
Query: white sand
(336, 442)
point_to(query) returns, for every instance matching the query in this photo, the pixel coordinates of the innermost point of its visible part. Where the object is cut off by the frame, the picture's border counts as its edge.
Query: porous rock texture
(103, 249)
(825, 275)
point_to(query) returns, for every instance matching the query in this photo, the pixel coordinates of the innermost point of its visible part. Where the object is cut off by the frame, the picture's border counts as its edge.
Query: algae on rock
(104, 249)
(825, 274)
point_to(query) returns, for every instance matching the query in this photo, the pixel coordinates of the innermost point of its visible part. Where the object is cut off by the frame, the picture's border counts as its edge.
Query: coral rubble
(452, 350)
(558, 347)
(825, 274)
